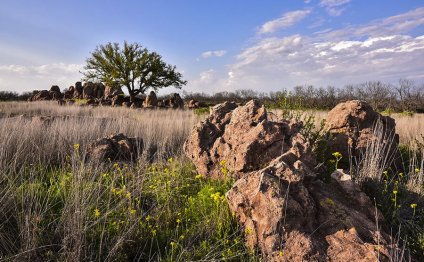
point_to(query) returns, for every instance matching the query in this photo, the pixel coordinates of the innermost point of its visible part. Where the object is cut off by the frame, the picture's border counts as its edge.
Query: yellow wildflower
(97, 213)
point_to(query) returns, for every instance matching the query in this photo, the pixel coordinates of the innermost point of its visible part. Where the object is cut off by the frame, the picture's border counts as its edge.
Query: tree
(133, 66)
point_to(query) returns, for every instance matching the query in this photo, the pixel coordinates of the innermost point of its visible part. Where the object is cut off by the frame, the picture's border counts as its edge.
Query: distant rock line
(97, 94)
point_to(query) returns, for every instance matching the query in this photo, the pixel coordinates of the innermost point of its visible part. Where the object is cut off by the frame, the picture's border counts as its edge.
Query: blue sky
(219, 45)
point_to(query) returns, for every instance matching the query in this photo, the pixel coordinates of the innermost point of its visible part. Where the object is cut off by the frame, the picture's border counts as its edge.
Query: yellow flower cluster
(217, 197)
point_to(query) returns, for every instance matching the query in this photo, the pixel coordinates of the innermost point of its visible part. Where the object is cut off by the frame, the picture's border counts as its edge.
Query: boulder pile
(96, 94)
(287, 211)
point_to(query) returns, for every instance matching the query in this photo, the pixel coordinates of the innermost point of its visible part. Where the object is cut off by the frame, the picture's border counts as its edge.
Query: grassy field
(55, 206)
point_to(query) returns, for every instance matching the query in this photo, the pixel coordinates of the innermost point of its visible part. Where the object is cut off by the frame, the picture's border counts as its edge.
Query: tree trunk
(132, 96)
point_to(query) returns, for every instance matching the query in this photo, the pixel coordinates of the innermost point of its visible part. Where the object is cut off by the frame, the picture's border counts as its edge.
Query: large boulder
(151, 100)
(354, 126)
(241, 138)
(193, 104)
(78, 91)
(111, 91)
(176, 101)
(56, 95)
(118, 100)
(99, 90)
(55, 88)
(290, 216)
(69, 94)
(89, 90)
(115, 147)
(288, 213)
(41, 95)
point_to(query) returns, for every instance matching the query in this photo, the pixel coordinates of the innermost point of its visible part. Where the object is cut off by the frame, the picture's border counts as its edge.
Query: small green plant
(387, 112)
(337, 157)
(201, 111)
(408, 113)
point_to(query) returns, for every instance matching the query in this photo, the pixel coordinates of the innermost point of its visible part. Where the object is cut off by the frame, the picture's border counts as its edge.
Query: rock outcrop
(111, 91)
(78, 90)
(354, 125)
(175, 101)
(98, 94)
(151, 100)
(291, 216)
(193, 104)
(93, 90)
(288, 213)
(115, 147)
(241, 137)
(55, 88)
(42, 95)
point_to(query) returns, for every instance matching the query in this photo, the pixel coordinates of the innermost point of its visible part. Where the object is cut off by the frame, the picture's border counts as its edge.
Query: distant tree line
(404, 96)
(14, 96)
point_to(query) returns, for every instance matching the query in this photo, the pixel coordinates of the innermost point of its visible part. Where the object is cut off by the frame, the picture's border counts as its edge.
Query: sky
(218, 45)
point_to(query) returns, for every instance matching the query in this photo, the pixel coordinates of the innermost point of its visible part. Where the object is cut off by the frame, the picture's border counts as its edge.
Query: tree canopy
(132, 66)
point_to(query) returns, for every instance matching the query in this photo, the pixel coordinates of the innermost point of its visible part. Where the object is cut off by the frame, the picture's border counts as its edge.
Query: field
(54, 205)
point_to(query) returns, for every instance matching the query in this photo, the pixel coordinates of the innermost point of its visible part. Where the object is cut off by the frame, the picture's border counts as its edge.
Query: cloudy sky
(219, 45)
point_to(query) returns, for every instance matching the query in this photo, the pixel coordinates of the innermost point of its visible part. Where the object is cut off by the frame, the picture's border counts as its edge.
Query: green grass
(162, 211)
(201, 111)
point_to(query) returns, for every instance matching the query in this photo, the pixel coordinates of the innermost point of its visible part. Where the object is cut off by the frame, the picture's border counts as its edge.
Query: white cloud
(398, 24)
(383, 49)
(334, 7)
(207, 76)
(26, 78)
(273, 63)
(286, 20)
(215, 53)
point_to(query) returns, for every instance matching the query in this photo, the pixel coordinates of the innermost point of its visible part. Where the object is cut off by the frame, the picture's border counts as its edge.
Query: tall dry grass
(27, 138)
(48, 194)
(409, 127)
(31, 193)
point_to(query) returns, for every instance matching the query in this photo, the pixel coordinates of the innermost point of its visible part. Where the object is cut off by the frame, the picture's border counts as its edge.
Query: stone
(114, 148)
(89, 90)
(55, 88)
(105, 102)
(286, 211)
(56, 95)
(41, 96)
(78, 91)
(289, 215)
(193, 104)
(135, 105)
(353, 125)
(99, 90)
(243, 139)
(118, 100)
(69, 93)
(176, 101)
(111, 91)
(151, 100)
